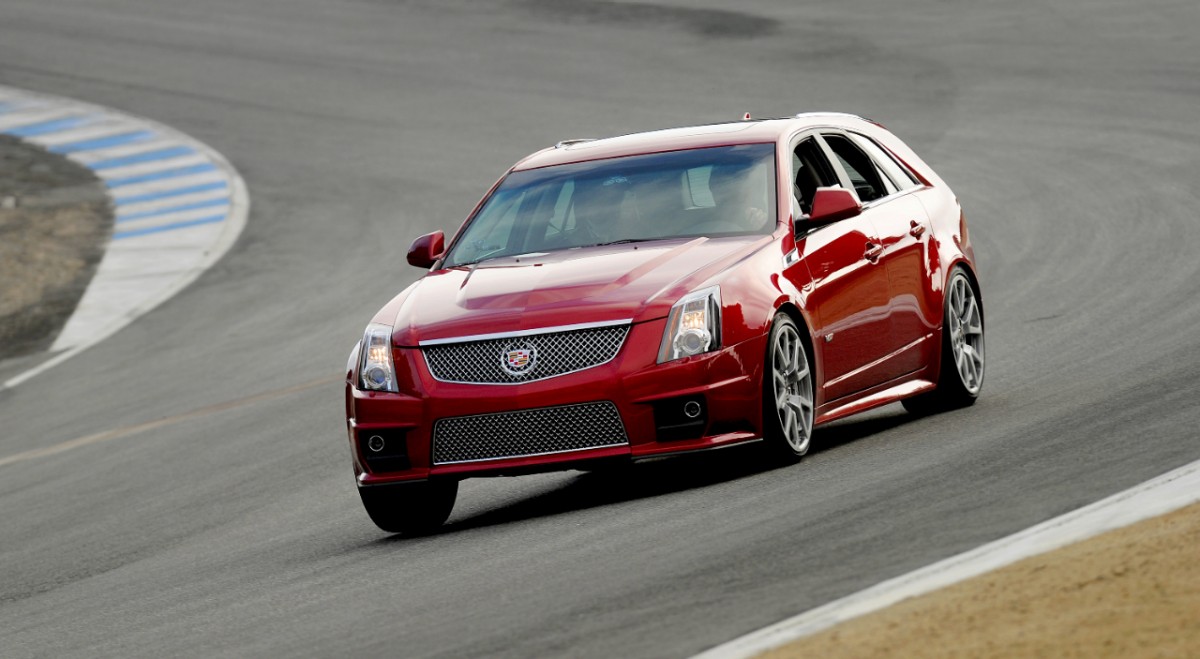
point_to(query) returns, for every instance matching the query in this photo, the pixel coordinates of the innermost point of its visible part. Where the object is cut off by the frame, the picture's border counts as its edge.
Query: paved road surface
(1069, 132)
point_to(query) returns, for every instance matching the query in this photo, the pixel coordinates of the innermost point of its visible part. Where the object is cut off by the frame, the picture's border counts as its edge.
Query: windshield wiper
(489, 257)
(494, 254)
(625, 240)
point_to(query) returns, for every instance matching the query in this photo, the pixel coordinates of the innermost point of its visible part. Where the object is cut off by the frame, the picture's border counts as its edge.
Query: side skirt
(888, 392)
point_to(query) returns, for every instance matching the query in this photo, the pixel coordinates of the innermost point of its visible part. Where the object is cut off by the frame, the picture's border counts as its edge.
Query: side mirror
(833, 204)
(426, 250)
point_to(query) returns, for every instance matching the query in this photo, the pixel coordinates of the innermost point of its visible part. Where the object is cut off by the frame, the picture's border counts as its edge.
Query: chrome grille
(527, 432)
(553, 354)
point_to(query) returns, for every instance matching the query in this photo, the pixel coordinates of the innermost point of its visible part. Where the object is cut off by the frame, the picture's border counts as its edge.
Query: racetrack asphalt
(216, 515)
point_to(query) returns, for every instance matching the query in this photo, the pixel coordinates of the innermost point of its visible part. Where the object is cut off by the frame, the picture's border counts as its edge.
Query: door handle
(915, 228)
(873, 252)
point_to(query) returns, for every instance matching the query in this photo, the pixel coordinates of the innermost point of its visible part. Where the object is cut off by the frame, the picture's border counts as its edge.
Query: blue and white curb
(178, 206)
(1171, 491)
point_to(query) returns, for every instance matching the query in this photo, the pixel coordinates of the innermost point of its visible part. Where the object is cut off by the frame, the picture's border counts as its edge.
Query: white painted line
(94, 130)
(32, 116)
(172, 218)
(1159, 496)
(21, 100)
(115, 173)
(138, 272)
(172, 202)
(131, 149)
(167, 184)
(13, 104)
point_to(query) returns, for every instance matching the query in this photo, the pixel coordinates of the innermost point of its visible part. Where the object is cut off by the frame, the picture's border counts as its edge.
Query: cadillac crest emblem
(518, 360)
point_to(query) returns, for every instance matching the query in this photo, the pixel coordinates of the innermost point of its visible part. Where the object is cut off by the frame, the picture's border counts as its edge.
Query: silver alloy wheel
(966, 333)
(792, 387)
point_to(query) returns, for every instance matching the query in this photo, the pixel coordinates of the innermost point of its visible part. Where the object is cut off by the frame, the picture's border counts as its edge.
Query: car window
(501, 217)
(562, 219)
(867, 180)
(888, 185)
(900, 175)
(810, 170)
(697, 192)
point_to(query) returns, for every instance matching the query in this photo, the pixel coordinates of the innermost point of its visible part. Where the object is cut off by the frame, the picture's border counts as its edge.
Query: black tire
(410, 508)
(960, 377)
(788, 392)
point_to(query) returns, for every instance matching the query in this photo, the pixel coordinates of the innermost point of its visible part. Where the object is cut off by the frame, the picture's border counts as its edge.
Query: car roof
(751, 131)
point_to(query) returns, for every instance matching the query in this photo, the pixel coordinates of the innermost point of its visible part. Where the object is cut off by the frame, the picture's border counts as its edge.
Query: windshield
(700, 192)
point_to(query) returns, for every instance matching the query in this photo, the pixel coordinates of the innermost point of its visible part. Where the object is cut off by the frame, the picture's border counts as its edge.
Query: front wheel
(410, 508)
(961, 374)
(787, 391)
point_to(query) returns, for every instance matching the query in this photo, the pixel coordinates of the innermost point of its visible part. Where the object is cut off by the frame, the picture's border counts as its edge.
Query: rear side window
(899, 175)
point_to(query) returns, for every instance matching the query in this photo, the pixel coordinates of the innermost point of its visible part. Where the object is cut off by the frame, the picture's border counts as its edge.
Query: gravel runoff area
(1132, 592)
(55, 219)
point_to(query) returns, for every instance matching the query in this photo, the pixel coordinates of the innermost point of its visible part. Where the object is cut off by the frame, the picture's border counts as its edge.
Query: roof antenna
(746, 117)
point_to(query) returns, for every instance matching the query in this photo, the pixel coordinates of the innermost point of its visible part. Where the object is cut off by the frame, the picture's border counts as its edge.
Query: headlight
(694, 325)
(375, 369)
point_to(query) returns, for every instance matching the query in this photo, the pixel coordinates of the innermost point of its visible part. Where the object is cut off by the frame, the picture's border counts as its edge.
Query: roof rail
(805, 115)
(577, 140)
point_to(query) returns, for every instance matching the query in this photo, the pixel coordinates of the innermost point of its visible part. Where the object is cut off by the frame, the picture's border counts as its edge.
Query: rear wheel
(961, 375)
(410, 508)
(787, 391)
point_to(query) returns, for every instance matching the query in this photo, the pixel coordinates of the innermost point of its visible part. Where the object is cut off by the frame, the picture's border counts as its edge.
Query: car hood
(638, 282)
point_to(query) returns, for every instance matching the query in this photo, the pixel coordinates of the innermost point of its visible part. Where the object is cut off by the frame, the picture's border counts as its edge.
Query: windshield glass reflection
(700, 192)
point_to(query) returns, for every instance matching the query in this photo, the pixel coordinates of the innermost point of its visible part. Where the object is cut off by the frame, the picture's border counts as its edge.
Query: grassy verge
(55, 221)
(1133, 592)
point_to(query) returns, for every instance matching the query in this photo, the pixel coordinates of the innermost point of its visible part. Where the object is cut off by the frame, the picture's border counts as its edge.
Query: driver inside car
(740, 197)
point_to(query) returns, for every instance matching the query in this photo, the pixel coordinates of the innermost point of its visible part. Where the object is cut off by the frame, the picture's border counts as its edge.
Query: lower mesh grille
(527, 432)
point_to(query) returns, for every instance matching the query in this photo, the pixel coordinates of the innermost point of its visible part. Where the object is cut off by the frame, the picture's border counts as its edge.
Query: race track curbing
(178, 206)
(1171, 491)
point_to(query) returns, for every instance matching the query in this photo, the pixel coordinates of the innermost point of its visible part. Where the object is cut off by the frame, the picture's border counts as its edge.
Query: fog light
(375, 443)
(684, 417)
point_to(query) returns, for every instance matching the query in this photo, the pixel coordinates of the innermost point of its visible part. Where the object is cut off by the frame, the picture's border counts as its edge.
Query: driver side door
(848, 300)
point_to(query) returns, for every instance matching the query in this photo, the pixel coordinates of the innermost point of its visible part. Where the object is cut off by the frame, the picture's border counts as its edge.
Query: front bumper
(726, 382)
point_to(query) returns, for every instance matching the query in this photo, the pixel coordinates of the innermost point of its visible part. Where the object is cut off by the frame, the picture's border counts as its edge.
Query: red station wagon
(661, 293)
